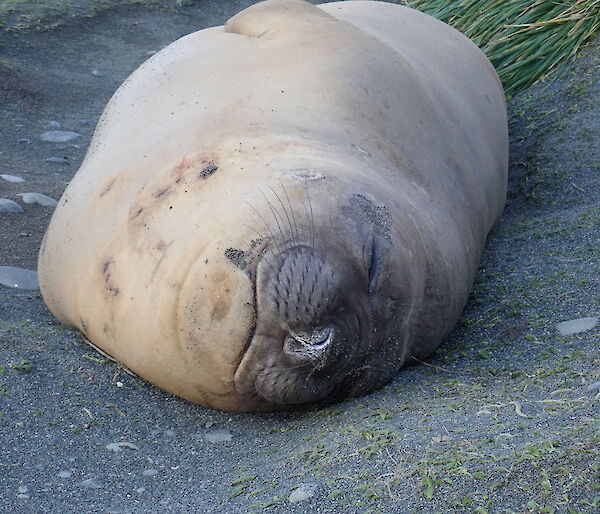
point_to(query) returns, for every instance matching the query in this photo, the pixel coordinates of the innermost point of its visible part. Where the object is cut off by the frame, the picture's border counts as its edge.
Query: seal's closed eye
(376, 249)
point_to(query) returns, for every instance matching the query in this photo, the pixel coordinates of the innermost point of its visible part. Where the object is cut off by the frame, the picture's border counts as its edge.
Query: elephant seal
(285, 209)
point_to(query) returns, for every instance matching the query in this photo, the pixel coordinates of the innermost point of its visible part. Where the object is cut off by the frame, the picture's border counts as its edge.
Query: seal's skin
(285, 209)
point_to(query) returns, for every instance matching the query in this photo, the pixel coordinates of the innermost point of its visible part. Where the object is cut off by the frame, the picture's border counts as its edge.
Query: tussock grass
(525, 40)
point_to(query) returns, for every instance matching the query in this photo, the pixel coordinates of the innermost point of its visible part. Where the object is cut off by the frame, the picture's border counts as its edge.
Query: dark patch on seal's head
(376, 217)
(247, 260)
(207, 171)
(237, 257)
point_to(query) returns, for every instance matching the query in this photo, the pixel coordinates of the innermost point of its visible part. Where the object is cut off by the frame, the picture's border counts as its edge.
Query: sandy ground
(504, 418)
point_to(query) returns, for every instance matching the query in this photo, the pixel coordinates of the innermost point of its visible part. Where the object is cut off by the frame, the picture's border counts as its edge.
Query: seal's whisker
(273, 238)
(261, 236)
(285, 212)
(312, 218)
(307, 217)
(276, 216)
(291, 210)
(330, 228)
(262, 255)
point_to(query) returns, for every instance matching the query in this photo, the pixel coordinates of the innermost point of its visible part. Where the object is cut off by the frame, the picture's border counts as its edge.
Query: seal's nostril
(320, 338)
(311, 344)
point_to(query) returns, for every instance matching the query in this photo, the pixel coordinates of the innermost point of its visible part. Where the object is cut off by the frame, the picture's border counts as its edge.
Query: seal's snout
(307, 328)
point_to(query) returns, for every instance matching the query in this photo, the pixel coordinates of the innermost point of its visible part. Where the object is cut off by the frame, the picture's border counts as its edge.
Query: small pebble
(97, 73)
(12, 178)
(140, 490)
(59, 136)
(58, 160)
(92, 483)
(119, 384)
(575, 326)
(150, 472)
(219, 436)
(506, 435)
(7, 205)
(24, 140)
(64, 474)
(118, 447)
(18, 278)
(23, 489)
(594, 386)
(23, 496)
(304, 492)
(54, 124)
(38, 198)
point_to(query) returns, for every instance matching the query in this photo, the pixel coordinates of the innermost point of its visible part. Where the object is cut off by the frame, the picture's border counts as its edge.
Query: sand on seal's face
(370, 134)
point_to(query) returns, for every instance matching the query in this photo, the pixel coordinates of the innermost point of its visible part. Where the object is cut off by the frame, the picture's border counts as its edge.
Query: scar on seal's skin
(182, 167)
(108, 188)
(163, 248)
(139, 211)
(162, 192)
(106, 267)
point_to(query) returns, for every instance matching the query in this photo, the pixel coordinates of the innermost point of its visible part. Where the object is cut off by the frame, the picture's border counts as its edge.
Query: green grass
(525, 39)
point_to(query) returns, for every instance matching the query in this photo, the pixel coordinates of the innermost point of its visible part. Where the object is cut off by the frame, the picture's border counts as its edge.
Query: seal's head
(312, 314)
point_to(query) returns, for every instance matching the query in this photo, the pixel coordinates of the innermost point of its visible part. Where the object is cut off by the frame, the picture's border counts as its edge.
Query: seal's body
(284, 209)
